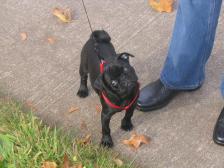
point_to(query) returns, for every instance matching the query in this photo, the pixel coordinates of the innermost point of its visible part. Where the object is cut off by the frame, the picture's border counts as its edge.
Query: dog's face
(119, 78)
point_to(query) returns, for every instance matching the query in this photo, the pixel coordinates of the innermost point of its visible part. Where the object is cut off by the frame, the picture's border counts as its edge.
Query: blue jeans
(191, 44)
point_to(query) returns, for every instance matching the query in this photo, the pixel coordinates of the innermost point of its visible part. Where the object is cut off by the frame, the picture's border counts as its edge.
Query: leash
(96, 48)
(84, 6)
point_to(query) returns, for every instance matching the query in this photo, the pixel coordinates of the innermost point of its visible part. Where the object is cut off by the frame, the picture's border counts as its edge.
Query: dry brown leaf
(66, 161)
(1, 158)
(73, 109)
(98, 108)
(118, 162)
(83, 125)
(48, 164)
(136, 141)
(23, 36)
(86, 140)
(162, 5)
(30, 105)
(63, 14)
(79, 166)
(51, 40)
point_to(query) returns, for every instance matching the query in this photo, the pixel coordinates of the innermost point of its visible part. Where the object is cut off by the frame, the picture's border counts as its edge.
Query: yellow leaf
(136, 141)
(73, 109)
(48, 164)
(118, 162)
(23, 36)
(63, 14)
(162, 5)
(75, 158)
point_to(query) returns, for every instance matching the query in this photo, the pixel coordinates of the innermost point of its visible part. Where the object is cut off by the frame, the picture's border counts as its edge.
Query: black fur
(118, 81)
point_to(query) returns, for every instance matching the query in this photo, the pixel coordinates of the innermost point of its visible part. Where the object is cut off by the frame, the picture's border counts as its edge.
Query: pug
(113, 79)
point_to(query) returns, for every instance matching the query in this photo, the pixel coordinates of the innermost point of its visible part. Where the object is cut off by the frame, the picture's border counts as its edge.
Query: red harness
(102, 63)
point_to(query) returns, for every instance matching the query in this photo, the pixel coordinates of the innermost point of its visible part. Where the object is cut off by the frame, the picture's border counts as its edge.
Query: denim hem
(182, 87)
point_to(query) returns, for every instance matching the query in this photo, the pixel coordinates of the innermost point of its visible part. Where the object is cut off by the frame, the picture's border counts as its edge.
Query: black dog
(113, 79)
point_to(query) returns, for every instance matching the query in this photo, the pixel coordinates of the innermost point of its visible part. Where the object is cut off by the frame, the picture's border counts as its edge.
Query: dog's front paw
(126, 125)
(107, 141)
(83, 92)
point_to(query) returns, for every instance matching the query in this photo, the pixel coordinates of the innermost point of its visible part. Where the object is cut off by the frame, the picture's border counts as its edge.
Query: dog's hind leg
(83, 71)
(126, 123)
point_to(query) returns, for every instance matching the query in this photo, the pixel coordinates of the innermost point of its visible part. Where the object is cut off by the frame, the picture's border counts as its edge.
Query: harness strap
(102, 63)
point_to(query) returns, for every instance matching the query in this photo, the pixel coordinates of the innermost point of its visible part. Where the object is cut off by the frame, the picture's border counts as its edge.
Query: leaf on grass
(162, 5)
(73, 109)
(118, 162)
(98, 108)
(51, 40)
(23, 36)
(136, 141)
(49, 165)
(86, 140)
(66, 161)
(83, 125)
(63, 14)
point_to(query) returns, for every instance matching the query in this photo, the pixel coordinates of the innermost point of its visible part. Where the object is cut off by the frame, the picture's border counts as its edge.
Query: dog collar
(106, 99)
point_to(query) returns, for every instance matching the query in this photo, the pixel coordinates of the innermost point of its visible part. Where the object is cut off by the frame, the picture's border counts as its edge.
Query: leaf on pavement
(136, 141)
(98, 108)
(48, 164)
(63, 14)
(23, 36)
(73, 109)
(83, 125)
(30, 105)
(51, 40)
(162, 5)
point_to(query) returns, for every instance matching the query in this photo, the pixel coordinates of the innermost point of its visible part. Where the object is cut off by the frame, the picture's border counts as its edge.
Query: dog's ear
(124, 56)
(98, 84)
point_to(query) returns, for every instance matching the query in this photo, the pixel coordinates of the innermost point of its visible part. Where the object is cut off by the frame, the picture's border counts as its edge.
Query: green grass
(25, 142)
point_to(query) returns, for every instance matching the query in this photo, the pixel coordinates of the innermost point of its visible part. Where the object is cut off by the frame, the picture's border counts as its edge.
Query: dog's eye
(114, 83)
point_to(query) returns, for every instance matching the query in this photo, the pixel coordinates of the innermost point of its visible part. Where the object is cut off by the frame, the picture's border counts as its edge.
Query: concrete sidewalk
(47, 75)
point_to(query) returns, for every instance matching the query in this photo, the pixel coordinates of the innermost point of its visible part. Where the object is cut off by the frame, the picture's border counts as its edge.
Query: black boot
(154, 96)
(218, 134)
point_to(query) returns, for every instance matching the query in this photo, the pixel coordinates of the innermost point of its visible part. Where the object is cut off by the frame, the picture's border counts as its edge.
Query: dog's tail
(101, 36)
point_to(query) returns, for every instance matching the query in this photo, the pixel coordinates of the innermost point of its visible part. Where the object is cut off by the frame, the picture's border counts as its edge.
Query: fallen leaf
(73, 109)
(86, 140)
(75, 158)
(1, 158)
(51, 40)
(83, 125)
(162, 5)
(79, 166)
(118, 162)
(49, 165)
(98, 108)
(63, 14)
(30, 105)
(136, 141)
(66, 161)
(23, 36)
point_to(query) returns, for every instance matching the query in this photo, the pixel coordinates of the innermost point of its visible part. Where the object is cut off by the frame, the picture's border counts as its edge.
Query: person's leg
(189, 50)
(218, 134)
(191, 44)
